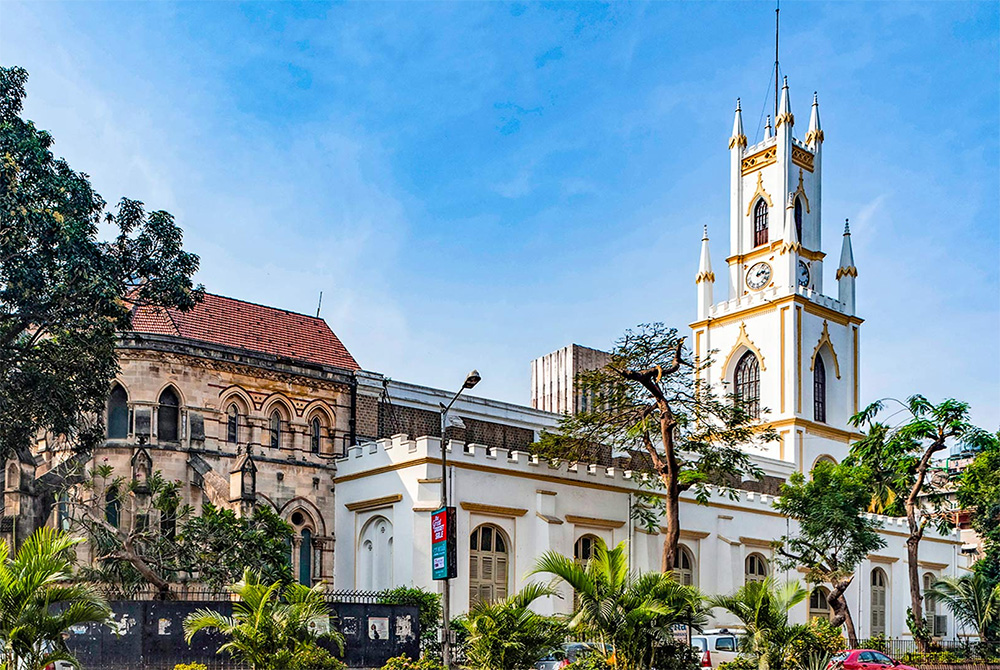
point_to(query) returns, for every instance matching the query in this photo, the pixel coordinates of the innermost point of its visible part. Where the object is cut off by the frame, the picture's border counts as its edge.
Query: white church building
(783, 343)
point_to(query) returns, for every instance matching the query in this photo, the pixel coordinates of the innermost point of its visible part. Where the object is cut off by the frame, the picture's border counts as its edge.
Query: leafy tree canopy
(69, 270)
(979, 493)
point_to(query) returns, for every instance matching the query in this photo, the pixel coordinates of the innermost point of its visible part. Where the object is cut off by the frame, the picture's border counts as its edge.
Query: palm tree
(973, 601)
(763, 608)
(38, 603)
(507, 634)
(633, 614)
(271, 626)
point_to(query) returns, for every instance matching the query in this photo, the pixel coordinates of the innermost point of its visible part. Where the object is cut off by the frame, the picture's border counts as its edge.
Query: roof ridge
(271, 307)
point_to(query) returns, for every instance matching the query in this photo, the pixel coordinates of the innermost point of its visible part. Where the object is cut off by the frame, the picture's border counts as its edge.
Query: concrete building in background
(553, 378)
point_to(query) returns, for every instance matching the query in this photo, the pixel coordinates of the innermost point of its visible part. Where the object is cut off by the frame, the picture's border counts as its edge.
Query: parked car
(716, 647)
(566, 654)
(863, 659)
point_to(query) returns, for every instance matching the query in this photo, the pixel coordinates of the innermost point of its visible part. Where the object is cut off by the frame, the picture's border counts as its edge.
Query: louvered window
(488, 561)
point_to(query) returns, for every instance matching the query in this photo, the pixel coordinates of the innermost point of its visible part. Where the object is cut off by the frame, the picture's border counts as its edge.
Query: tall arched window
(583, 549)
(930, 606)
(375, 555)
(819, 605)
(760, 223)
(233, 424)
(117, 413)
(112, 507)
(684, 566)
(878, 601)
(487, 564)
(315, 434)
(819, 390)
(756, 568)
(168, 416)
(305, 557)
(747, 384)
(798, 219)
(275, 429)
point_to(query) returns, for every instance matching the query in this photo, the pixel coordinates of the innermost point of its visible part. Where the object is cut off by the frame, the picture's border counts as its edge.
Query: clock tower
(777, 342)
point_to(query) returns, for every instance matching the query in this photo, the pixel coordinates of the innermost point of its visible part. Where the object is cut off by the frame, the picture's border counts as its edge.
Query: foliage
(157, 541)
(632, 614)
(38, 603)
(593, 660)
(879, 642)
(219, 545)
(430, 612)
(650, 398)
(973, 600)
(979, 493)
(739, 663)
(190, 666)
(763, 608)
(311, 656)
(508, 634)
(822, 638)
(833, 534)
(675, 655)
(404, 662)
(273, 627)
(899, 458)
(64, 293)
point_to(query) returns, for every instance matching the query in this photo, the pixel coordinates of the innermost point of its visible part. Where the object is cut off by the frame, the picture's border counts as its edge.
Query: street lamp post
(471, 380)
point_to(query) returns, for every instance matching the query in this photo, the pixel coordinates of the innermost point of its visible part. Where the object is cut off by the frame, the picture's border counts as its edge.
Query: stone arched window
(375, 558)
(819, 604)
(274, 428)
(233, 423)
(798, 219)
(760, 223)
(747, 383)
(684, 566)
(819, 390)
(303, 563)
(117, 419)
(878, 593)
(488, 563)
(168, 416)
(757, 568)
(112, 507)
(315, 434)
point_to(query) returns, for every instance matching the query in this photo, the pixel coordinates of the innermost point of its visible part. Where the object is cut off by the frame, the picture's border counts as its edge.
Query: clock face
(803, 274)
(758, 275)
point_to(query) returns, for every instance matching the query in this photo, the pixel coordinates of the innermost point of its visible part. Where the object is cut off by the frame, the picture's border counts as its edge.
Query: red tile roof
(245, 325)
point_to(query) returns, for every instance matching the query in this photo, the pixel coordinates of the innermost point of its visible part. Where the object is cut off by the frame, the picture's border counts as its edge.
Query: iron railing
(966, 648)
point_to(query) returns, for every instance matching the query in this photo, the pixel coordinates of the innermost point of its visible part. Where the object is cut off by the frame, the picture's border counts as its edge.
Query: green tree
(973, 600)
(650, 396)
(900, 459)
(429, 604)
(763, 608)
(633, 614)
(39, 603)
(273, 626)
(151, 539)
(979, 493)
(507, 634)
(65, 293)
(833, 533)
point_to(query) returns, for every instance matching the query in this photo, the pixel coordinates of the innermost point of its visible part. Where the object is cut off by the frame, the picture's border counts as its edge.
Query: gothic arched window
(275, 429)
(747, 384)
(760, 223)
(798, 219)
(112, 507)
(233, 424)
(316, 434)
(819, 390)
(117, 413)
(168, 416)
(878, 601)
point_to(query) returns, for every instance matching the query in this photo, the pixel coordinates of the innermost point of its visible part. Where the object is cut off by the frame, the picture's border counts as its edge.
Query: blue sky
(477, 184)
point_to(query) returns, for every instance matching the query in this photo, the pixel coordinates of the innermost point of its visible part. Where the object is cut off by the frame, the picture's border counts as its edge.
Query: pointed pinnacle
(847, 226)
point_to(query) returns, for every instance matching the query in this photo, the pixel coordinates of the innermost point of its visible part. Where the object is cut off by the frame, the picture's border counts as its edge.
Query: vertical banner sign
(444, 547)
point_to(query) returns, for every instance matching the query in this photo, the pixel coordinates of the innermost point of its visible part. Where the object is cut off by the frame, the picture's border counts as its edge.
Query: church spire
(705, 278)
(847, 272)
(738, 140)
(814, 135)
(785, 115)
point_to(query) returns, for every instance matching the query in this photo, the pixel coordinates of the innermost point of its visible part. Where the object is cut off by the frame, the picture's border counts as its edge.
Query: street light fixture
(471, 380)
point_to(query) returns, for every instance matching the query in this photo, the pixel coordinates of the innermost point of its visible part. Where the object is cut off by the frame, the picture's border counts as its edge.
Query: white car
(716, 647)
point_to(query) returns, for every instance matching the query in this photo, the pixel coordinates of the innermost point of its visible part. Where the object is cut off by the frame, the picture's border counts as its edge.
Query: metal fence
(965, 648)
(205, 594)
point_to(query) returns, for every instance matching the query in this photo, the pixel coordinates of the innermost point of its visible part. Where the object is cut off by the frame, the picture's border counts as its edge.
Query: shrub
(594, 660)
(821, 638)
(879, 643)
(676, 656)
(190, 666)
(739, 663)
(404, 662)
(315, 657)
(429, 605)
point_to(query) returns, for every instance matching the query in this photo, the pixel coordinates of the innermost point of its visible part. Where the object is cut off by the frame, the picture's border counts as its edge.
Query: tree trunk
(913, 541)
(672, 516)
(841, 610)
